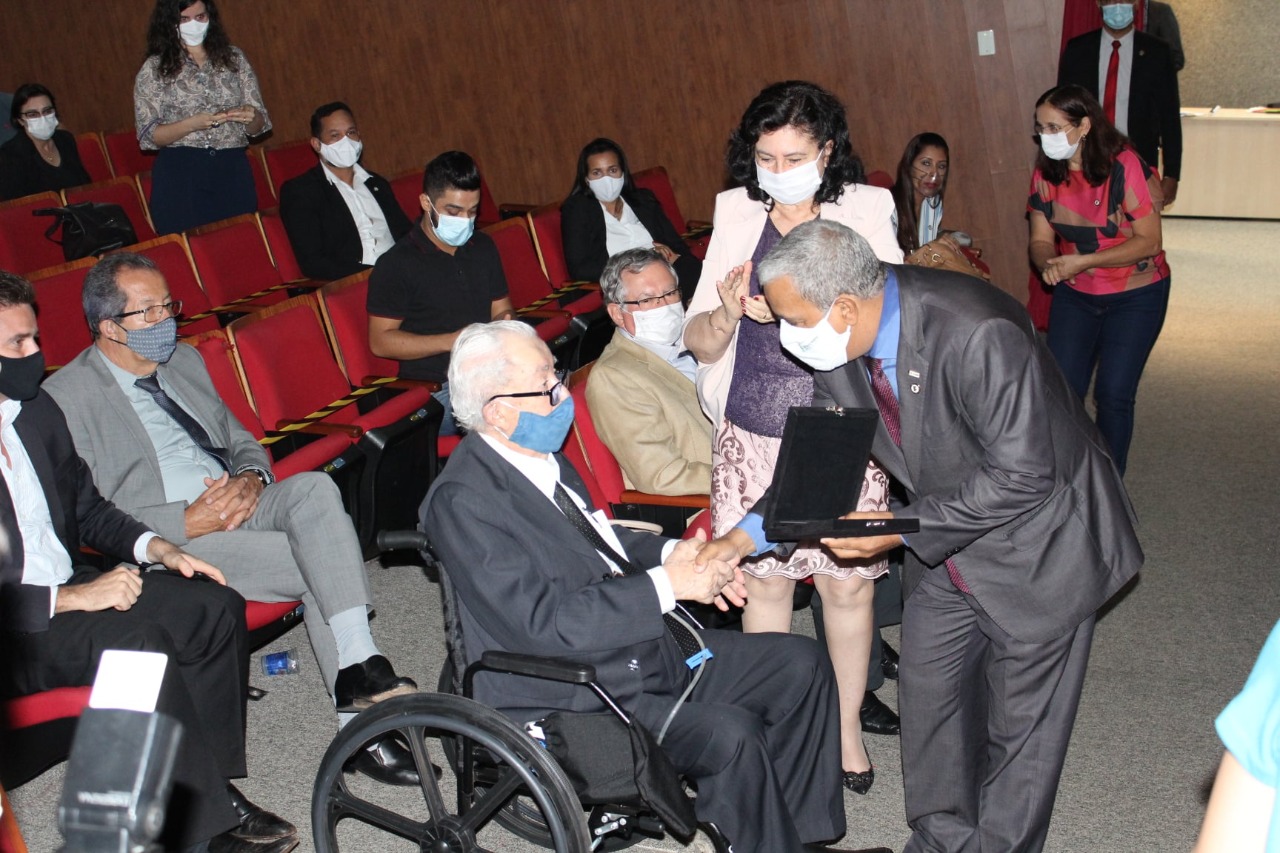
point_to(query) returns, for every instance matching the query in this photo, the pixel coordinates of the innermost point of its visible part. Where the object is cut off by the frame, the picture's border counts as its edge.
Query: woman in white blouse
(197, 101)
(918, 191)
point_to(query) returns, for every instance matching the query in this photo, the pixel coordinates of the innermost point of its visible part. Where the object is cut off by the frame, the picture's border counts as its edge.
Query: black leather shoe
(362, 684)
(888, 661)
(860, 783)
(228, 842)
(256, 823)
(387, 761)
(877, 717)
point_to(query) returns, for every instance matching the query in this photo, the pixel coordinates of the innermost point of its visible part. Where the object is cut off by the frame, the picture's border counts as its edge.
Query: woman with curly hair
(197, 101)
(793, 160)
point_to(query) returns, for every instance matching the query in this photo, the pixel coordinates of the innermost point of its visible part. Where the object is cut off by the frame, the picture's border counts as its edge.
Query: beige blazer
(647, 413)
(738, 222)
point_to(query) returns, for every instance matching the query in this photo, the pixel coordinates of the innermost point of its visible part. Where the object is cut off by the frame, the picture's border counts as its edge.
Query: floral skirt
(742, 468)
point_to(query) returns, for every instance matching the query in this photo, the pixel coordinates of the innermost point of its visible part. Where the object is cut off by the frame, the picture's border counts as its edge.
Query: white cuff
(140, 547)
(666, 593)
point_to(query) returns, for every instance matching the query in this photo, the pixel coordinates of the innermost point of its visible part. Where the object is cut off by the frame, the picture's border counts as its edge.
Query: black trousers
(200, 626)
(760, 737)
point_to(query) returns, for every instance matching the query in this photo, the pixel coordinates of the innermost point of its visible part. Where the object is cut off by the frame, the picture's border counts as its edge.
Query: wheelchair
(494, 776)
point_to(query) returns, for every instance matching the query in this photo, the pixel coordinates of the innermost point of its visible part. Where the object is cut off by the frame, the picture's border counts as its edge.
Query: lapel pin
(914, 374)
(915, 389)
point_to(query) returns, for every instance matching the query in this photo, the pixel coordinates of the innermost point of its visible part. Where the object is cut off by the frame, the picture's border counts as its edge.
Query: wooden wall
(523, 84)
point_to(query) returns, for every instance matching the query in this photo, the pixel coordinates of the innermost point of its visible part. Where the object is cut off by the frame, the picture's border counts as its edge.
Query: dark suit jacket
(1153, 94)
(79, 513)
(583, 234)
(323, 234)
(1000, 463)
(528, 581)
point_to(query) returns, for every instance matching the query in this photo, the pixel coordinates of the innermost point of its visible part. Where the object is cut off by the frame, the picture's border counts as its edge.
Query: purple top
(767, 381)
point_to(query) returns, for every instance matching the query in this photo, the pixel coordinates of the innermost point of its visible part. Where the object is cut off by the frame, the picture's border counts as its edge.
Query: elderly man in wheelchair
(749, 721)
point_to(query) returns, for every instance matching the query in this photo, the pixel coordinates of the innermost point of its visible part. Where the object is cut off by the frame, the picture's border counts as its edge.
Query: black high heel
(860, 783)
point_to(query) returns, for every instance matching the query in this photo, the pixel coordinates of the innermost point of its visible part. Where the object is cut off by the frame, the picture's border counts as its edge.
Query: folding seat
(290, 453)
(125, 155)
(696, 233)
(346, 319)
(23, 246)
(671, 512)
(261, 183)
(144, 185)
(63, 330)
(589, 326)
(171, 255)
(122, 191)
(880, 178)
(93, 154)
(407, 188)
(278, 242)
(293, 380)
(544, 222)
(489, 214)
(287, 160)
(235, 265)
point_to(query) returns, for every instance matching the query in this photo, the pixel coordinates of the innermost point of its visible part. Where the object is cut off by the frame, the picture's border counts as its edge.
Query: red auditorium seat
(278, 242)
(234, 262)
(544, 222)
(287, 160)
(125, 155)
(121, 191)
(63, 330)
(23, 246)
(697, 234)
(93, 154)
(171, 255)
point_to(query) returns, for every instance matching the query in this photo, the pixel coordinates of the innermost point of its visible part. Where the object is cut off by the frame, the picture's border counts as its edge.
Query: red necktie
(887, 403)
(1109, 90)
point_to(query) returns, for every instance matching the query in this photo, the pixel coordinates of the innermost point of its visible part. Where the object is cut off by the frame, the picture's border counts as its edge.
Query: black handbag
(609, 761)
(89, 228)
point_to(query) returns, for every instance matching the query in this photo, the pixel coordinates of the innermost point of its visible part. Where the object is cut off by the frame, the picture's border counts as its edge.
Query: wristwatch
(264, 476)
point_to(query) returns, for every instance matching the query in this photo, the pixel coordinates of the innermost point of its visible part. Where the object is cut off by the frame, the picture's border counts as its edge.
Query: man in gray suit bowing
(163, 447)
(1025, 527)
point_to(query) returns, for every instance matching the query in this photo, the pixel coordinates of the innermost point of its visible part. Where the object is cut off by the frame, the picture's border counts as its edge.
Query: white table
(1228, 164)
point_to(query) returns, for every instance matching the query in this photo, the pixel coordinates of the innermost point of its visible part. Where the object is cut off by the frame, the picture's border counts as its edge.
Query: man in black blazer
(340, 217)
(1150, 118)
(1025, 527)
(58, 616)
(759, 732)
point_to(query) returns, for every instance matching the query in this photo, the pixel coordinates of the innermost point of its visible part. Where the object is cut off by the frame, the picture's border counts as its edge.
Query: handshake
(708, 572)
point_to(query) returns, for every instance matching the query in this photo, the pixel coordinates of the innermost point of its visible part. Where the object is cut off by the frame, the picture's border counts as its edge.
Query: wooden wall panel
(522, 85)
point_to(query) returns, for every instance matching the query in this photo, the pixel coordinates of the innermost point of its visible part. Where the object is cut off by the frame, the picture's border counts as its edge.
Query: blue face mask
(544, 433)
(1118, 17)
(453, 230)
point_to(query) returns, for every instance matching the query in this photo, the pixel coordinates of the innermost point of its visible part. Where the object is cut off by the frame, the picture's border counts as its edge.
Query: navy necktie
(151, 384)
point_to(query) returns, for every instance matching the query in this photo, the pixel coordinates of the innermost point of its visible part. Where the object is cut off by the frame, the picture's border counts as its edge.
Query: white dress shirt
(674, 354)
(375, 235)
(44, 561)
(1124, 71)
(544, 473)
(628, 232)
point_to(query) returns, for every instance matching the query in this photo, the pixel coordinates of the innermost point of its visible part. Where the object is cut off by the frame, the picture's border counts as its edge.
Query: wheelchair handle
(402, 540)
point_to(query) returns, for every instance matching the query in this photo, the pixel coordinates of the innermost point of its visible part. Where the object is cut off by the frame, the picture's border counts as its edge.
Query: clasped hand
(708, 576)
(227, 503)
(1062, 268)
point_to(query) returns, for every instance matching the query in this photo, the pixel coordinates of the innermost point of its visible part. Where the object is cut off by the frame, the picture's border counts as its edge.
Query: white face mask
(659, 326)
(821, 347)
(1056, 147)
(193, 32)
(342, 154)
(42, 128)
(607, 188)
(792, 186)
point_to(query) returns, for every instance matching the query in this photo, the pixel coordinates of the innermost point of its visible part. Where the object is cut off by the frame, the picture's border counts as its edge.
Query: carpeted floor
(1166, 658)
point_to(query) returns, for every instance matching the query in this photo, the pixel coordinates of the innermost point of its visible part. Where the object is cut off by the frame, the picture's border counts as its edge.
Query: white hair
(478, 366)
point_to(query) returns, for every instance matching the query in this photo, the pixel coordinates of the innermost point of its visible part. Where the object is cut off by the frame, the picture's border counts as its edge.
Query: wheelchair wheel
(520, 815)
(439, 816)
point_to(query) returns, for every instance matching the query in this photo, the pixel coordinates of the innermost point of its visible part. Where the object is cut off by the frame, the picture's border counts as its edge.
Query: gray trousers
(299, 544)
(986, 720)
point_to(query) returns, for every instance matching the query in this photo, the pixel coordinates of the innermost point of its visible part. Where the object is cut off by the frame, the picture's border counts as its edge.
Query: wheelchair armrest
(533, 666)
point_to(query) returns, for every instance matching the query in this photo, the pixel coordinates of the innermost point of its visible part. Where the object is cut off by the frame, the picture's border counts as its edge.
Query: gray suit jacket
(110, 437)
(1002, 465)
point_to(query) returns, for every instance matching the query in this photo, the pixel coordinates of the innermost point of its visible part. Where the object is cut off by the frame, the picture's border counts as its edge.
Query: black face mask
(20, 377)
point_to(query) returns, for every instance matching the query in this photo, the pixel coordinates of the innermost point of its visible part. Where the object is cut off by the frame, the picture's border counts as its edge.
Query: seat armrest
(542, 312)
(630, 496)
(636, 524)
(534, 666)
(510, 210)
(320, 428)
(399, 384)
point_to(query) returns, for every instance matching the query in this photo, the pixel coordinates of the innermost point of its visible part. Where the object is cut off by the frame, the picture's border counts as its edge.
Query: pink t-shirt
(1087, 219)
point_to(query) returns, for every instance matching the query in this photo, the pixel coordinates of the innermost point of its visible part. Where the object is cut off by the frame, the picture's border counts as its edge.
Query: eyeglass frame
(34, 114)
(173, 308)
(550, 393)
(653, 301)
(1039, 129)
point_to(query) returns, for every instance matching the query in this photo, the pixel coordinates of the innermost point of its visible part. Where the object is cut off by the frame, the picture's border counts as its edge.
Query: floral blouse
(196, 89)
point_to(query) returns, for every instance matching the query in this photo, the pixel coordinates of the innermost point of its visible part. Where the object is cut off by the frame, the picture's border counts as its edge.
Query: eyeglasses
(652, 301)
(155, 313)
(555, 394)
(47, 111)
(1052, 128)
